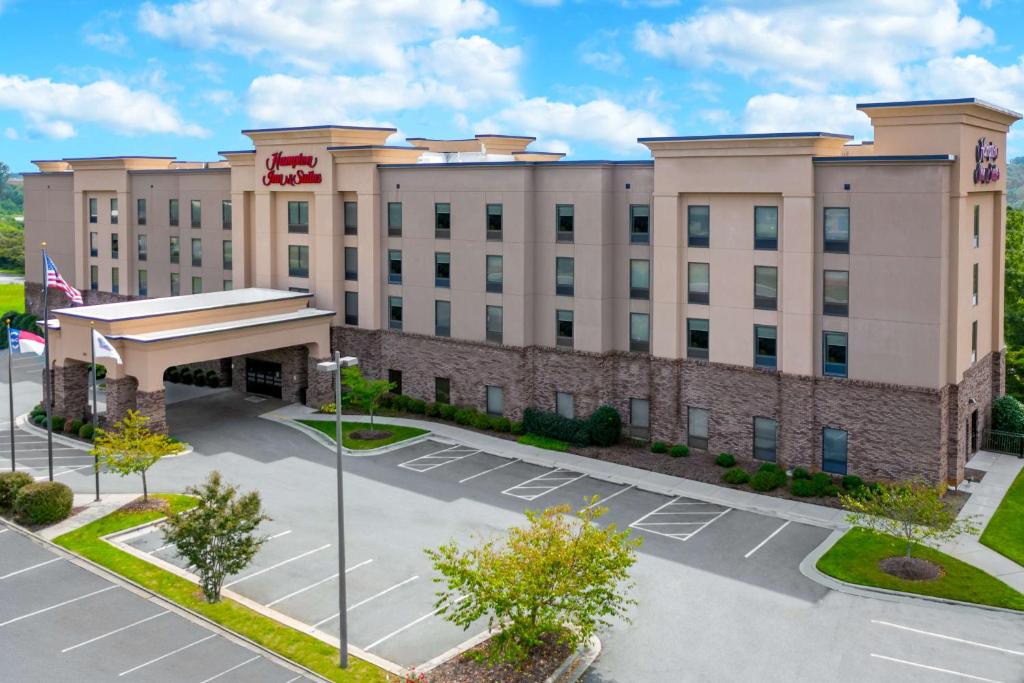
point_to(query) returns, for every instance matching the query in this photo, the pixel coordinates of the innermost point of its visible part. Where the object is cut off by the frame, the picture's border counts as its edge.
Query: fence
(1005, 442)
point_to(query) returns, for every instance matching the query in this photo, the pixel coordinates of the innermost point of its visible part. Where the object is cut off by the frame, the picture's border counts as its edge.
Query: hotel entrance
(262, 377)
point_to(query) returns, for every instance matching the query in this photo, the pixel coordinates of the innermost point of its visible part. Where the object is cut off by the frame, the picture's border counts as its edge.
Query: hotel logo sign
(291, 169)
(985, 155)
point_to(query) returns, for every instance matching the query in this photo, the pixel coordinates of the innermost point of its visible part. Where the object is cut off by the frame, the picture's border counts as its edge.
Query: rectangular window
(974, 287)
(197, 285)
(976, 240)
(639, 279)
(697, 428)
(565, 219)
(639, 332)
(395, 378)
(766, 439)
(93, 210)
(114, 213)
(834, 352)
(563, 328)
(93, 244)
(197, 252)
(442, 318)
(495, 273)
(197, 213)
(442, 390)
(227, 285)
(143, 283)
(143, 247)
(837, 230)
(442, 269)
(837, 293)
(395, 312)
(766, 287)
(115, 280)
(227, 259)
(115, 247)
(974, 341)
(639, 417)
(834, 444)
(172, 212)
(175, 284)
(698, 226)
(565, 404)
(495, 401)
(351, 308)
(699, 283)
(565, 276)
(351, 218)
(494, 221)
(175, 250)
(395, 266)
(351, 263)
(94, 277)
(225, 214)
(395, 219)
(298, 260)
(298, 217)
(442, 220)
(640, 223)
(301, 290)
(698, 336)
(140, 211)
(766, 227)
(495, 324)
(765, 346)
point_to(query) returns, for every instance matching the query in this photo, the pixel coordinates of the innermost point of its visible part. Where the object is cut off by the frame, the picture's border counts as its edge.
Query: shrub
(212, 379)
(76, 426)
(821, 480)
(433, 409)
(480, 421)
(501, 424)
(852, 482)
(820, 484)
(186, 376)
(464, 416)
(58, 423)
(10, 484)
(735, 476)
(543, 442)
(768, 478)
(555, 426)
(87, 432)
(605, 426)
(199, 378)
(804, 488)
(417, 406)
(679, 451)
(101, 371)
(328, 408)
(518, 427)
(171, 374)
(659, 447)
(38, 409)
(1008, 415)
(800, 473)
(725, 460)
(43, 502)
(448, 411)
(40, 419)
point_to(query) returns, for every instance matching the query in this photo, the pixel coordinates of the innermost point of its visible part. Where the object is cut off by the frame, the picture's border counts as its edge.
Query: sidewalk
(108, 503)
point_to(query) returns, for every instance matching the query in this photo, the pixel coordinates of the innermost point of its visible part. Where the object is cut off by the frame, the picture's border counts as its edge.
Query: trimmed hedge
(76, 426)
(659, 447)
(852, 482)
(1008, 415)
(800, 473)
(725, 460)
(735, 476)
(87, 432)
(10, 484)
(212, 379)
(57, 422)
(820, 484)
(43, 502)
(199, 379)
(555, 426)
(605, 426)
(768, 478)
(679, 451)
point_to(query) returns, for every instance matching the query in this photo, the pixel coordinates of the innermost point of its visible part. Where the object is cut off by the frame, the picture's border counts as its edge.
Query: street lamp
(335, 367)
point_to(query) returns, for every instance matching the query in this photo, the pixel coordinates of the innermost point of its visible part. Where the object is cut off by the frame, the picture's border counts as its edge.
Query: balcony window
(442, 220)
(639, 279)
(698, 226)
(699, 283)
(175, 250)
(140, 211)
(974, 341)
(143, 247)
(564, 276)
(976, 238)
(143, 283)
(115, 280)
(351, 218)
(766, 227)
(298, 217)
(114, 213)
(394, 219)
(834, 444)
(94, 278)
(565, 404)
(640, 223)
(495, 323)
(93, 244)
(197, 252)
(565, 218)
(564, 328)
(495, 399)
(697, 428)
(197, 285)
(442, 269)
(442, 318)
(226, 255)
(766, 439)
(351, 263)
(175, 284)
(639, 332)
(495, 273)
(351, 308)
(494, 222)
(974, 287)
(639, 417)
(765, 346)
(834, 354)
(395, 266)
(442, 390)
(172, 212)
(395, 312)
(115, 250)
(197, 213)
(93, 210)
(225, 214)
(766, 287)
(837, 293)
(298, 260)
(837, 230)
(698, 337)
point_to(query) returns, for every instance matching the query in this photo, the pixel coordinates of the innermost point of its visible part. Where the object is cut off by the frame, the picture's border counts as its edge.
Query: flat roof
(749, 136)
(321, 127)
(334, 148)
(224, 326)
(545, 164)
(238, 151)
(886, 157)
(146, 308)
(932, 103)
(117, 156)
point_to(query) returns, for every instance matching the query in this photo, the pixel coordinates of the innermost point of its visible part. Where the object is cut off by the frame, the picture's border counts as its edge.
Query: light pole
(335, 367)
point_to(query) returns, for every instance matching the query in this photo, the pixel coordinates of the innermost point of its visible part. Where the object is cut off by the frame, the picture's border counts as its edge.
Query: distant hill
(1015, 182)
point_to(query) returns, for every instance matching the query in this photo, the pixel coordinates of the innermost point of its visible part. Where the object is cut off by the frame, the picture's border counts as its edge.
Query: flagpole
(10, 388)
(47, 388)
(96, 457)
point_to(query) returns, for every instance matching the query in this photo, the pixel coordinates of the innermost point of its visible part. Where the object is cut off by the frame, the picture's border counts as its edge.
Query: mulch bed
(911, 568)
(139, 505)
(465, 669)
(368, 435)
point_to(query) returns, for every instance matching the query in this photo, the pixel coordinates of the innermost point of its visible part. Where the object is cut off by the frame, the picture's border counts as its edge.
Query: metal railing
(1005, 442)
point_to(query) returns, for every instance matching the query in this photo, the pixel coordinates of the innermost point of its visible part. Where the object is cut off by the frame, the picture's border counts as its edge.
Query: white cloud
(468, 70)
(600, 52)
(777, 113)
(11, 133)
(969, 76)
(52, 108)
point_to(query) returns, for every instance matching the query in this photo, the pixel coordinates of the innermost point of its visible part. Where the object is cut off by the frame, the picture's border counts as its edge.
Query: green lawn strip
(855, 559)
(543, 442)
(12, 298)
(398, 433)
(285, 641)
(1005, 531)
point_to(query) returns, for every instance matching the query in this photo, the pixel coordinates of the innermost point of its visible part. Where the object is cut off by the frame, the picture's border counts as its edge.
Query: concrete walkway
(108, 503)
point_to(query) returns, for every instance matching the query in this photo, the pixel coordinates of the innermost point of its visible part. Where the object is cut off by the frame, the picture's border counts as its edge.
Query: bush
(725, 460)
(448, 411)
(481, 421)
(555, 426)
(87, 432)
(659, 447)
(800, 473)
(186, 376)
(605, 426)
(38, 409)
(821, 480)
(10, 484)
(40, 419)
(43, 502)
(679, 451)
(820, 484)
(327, 408)
(464, 416)
(433, 409)
(768, 478)
(76, 425)
(417, 406)
(172, 375)
(501, 424)
(518, 427)
(57, 423)
(852, 482)
(199, 378)
(804, 488)
(1008, 415)
(735, 476)
(101, 371)
(212, 379)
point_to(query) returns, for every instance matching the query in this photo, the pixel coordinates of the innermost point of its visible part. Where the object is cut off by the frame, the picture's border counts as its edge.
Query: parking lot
(61, 622)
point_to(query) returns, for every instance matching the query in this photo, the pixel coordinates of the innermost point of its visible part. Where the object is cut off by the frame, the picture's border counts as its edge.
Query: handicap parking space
(31, 454)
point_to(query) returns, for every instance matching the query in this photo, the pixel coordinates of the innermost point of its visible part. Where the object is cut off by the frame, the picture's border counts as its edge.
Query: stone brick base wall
(71, 390)
(122, 396)
(321, 384)
(153, 404)
(982, 384)
(294, 370)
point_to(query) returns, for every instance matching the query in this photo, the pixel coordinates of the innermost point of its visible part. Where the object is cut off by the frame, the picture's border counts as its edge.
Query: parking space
(61, 622)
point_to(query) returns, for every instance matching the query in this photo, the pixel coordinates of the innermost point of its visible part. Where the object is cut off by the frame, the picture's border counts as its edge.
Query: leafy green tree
(218, 536)
(910, 512)
(1014, 279)
(132, 448)
(364, 392)
(558, 576)
(1008, 415)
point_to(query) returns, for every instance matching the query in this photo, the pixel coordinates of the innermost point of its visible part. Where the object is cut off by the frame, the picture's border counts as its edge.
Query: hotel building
(790, 296)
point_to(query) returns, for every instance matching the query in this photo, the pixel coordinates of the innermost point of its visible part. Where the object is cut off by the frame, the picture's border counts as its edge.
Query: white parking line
(431, 461)
(936, 668)
(227, 671)
(59, 604)
(302, 590)
(383, 592)
(407, 626)
(953, 638)
(165, 546)
(4, 531)
(55, 448)
(67, 471)
(770, 537)
(601, 501)
(165, 656)
(683, 534)
(58, 457)
(116, 630)
(480, 474)
(275, 566)
(544, 488)
(35, 566)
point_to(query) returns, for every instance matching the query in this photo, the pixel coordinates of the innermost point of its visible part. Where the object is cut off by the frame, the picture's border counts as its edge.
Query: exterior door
(263, 377)
(974, 432)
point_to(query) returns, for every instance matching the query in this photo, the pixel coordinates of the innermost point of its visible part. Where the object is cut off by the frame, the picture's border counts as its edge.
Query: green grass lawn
(1005, 531)
(855, 559)
(289, 643)
(543, 442)
(12, 298)
(397, 433)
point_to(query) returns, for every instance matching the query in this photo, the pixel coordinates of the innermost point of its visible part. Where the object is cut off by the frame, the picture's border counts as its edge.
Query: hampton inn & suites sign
(291, 169)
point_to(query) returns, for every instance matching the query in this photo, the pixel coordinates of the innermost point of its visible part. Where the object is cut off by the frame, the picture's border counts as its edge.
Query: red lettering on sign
(280, 160)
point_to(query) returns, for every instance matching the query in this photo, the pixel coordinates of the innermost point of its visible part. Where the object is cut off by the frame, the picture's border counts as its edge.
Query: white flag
(103, 349)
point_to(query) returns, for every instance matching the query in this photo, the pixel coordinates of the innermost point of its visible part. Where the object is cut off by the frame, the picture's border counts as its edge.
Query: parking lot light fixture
(335, 367)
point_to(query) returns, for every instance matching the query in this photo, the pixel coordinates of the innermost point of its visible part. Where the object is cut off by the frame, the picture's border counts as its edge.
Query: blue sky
(87, 77)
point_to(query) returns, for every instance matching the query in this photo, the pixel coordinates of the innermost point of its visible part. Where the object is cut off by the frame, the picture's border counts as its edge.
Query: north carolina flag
(25, 342)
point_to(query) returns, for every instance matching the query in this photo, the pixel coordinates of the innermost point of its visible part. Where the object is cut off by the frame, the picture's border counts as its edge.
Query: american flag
(55, 279)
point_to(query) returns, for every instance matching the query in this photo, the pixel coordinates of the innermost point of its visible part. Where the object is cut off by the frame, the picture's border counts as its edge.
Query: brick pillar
(122, 395)
(153, 404)
(71, 390)
(320, 386)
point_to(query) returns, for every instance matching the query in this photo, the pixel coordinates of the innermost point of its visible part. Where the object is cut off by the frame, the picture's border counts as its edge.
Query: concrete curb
(576, 664)
(22, 422)
(328, 442)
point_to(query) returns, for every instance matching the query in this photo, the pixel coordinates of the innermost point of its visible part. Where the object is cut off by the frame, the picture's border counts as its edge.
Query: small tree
(365, 393)
(910, 512)
(132, 448)
(217, 536)
(558, 575)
